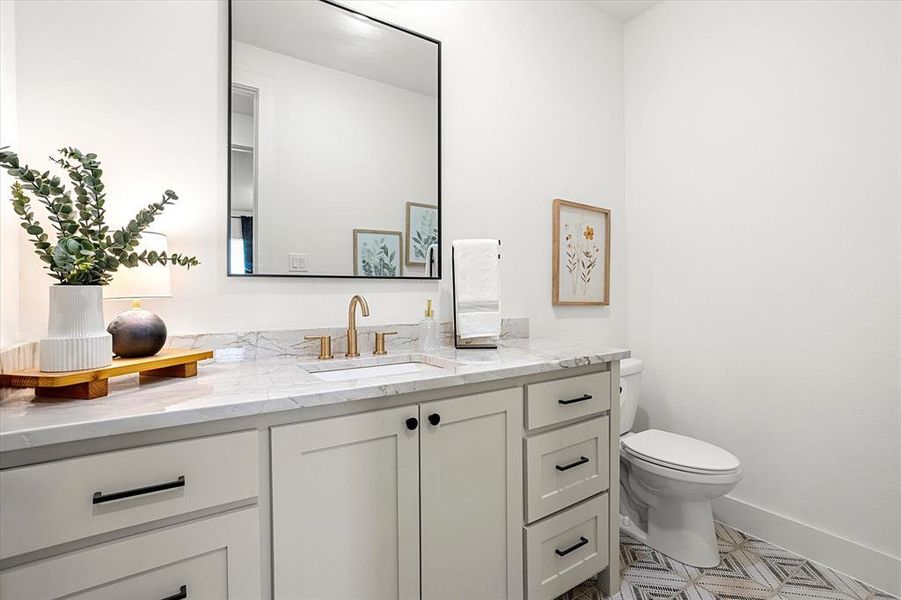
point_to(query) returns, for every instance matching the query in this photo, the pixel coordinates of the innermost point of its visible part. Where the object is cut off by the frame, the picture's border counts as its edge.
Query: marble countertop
(230, 386)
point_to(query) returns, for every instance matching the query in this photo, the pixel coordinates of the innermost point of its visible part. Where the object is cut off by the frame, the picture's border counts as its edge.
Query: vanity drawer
(213, 558)
(566, 465)
(566, 549)
(561, 400)
(66, 500)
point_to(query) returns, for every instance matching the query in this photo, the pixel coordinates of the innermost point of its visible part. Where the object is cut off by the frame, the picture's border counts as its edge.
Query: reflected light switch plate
(297, 262)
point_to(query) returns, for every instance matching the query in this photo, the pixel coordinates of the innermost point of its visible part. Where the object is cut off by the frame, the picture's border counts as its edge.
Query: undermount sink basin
(363, 372)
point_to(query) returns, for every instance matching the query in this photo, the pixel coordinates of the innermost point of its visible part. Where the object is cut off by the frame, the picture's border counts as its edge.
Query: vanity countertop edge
(226, 388)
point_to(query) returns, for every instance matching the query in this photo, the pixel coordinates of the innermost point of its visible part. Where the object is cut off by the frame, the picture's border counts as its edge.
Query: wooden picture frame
(409, 259)
(360, 268)
(576, 253)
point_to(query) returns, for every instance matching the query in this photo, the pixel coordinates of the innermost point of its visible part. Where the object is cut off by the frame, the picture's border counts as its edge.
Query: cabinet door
(471, 486)
(345, 507)
(207, 559)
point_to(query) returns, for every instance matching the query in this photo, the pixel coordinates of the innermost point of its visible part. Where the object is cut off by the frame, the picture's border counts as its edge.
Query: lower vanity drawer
(211, 559)
(66, 500)
(565, 466)
(564, 550)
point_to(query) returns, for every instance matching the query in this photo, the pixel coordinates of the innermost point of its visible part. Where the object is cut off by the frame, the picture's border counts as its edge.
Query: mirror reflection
(334, 144)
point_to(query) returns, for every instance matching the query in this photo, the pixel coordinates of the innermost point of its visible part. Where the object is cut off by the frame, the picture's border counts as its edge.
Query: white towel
(477, 288)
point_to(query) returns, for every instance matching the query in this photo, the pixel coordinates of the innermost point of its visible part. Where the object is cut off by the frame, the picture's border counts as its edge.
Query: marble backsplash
(264, 344)
(251, 345)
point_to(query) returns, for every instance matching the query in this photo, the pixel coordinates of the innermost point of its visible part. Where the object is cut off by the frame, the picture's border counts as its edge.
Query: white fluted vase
(77, 338)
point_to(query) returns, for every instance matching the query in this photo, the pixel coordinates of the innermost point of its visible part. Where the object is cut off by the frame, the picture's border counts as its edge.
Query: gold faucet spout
(352, 323)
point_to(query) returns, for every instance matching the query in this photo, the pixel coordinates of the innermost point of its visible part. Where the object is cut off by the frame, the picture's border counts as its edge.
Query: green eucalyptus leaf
(86, 252)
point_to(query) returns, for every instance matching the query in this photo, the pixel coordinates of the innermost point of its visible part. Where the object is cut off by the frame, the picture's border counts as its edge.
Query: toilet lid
(679, 452)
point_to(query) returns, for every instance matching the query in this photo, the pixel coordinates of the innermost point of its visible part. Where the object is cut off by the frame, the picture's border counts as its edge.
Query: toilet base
(683, 530)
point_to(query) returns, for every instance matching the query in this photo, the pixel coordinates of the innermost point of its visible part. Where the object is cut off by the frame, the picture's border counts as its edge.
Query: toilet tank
(629, 385)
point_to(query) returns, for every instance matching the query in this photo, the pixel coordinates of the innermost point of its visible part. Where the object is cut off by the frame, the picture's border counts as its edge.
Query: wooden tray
(94, 383)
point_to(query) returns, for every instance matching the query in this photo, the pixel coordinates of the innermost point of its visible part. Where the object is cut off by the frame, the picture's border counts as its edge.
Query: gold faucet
(352, 323)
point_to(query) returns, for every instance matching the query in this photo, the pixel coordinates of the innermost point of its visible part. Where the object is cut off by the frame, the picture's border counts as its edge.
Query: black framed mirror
(334, 144)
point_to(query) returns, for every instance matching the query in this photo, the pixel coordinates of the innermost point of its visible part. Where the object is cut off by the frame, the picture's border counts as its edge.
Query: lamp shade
(144, 281)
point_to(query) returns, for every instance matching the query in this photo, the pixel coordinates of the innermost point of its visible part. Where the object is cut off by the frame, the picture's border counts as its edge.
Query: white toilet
(668, 481)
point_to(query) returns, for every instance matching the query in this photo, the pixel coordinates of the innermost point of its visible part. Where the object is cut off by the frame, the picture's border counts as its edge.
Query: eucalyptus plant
(86, 251)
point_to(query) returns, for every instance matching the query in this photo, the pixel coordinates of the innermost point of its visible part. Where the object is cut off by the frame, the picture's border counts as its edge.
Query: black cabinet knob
(412, 423)
(434, 418)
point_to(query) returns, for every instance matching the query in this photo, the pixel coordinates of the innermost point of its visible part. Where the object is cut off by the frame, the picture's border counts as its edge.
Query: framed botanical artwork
(422, 232)
(581, 254)
(377, 253)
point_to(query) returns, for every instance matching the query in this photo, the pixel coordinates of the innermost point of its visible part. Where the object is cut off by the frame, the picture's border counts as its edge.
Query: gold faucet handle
(325, 345)
(380, 341)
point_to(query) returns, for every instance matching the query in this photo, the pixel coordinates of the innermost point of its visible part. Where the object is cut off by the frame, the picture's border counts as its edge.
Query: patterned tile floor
(750, 569)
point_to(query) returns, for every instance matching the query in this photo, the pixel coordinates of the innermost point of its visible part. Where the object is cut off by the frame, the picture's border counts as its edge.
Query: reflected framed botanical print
(580, 254)
(422, 232)
(377, 253)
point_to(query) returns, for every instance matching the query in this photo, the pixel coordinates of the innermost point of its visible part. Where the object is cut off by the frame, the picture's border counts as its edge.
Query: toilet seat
(679, 453)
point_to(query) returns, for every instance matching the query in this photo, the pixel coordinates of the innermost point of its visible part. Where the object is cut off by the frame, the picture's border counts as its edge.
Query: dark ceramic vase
(137, 333)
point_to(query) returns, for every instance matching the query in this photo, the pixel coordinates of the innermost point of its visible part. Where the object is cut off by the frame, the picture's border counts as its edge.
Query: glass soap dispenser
(429, 334)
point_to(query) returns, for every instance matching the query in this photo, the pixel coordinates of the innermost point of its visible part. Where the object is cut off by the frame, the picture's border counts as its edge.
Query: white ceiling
(623, 10)
(332, 37)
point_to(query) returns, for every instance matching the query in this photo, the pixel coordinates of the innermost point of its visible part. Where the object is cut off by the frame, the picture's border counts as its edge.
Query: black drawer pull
(100, 497)
(581, 461)
(582, 541)
(182, 593)
(412, 423)
(574, 400)
(434, 419)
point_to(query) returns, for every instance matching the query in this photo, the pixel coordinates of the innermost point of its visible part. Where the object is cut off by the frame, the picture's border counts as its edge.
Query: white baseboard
(851, 558)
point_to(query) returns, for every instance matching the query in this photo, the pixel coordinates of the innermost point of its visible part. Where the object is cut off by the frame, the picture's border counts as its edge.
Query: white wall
(9, 225)
(319, 123)
(762, 178)
(532, 110)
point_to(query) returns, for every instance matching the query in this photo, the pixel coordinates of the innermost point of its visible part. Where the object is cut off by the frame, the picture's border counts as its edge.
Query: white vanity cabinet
(208, 559)
(63, 501)
(571, 447)
(172, 520)
(471, 496)
(347, 494)
(345, 507)
(502, 489)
